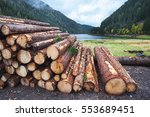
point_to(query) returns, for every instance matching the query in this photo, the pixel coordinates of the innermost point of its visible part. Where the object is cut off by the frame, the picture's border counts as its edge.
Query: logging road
(140, 74)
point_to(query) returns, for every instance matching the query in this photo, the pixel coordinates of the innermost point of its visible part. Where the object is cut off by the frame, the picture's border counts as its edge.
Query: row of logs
(33, 53)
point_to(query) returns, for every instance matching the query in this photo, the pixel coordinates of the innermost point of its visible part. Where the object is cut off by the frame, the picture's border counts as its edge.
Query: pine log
(8, 19)
(31, 66)
(57, 78)
(135, 61)
(131, 84)
(8, 29)
(90, 77)
(75, 71)
(37, 74)
(2, 84)
(57, 49)
(22, 71)
(50, 85)
(11, 39)
(10, 69)
(25, 40)
(14, 48)
(15, 64)
(114, 84)
(78, 82)
(59, 65)
(7, 62)
(5, 77)
(46, 74)
(24, 56)
(13, 81)
(26, 80)
(33, 83)
(41, 83)
(7, 53)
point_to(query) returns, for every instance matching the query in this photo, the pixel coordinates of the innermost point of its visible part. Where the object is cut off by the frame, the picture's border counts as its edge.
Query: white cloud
(91, 12)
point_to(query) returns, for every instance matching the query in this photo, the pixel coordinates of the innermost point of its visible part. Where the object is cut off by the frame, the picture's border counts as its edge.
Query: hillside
(131, 18)
(38, 10)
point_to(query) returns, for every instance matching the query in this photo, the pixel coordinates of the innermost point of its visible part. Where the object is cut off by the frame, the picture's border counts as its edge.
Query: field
(119, 46)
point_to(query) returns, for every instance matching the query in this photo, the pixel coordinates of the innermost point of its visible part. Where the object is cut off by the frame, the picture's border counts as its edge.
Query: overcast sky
(91, 12)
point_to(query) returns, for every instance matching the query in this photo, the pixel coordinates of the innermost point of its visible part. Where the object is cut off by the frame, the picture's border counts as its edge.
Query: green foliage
(73, 51)
(22, 9)
(58, 38)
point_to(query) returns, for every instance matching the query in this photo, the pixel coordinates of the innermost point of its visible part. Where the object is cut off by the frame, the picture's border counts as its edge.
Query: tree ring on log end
(52, 52)
(64, 87)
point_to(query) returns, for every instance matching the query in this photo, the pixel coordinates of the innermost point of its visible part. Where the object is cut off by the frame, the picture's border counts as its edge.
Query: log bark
(134, 61)
(26, 80)
(31, 66)
(90, 78)
(78, 82)
(59, 65)
(8, 19)
(57, 49)
(114, 84)
(25, 40)
(22, 71)
(75, 71)
(13, 81)
(131, 84)
(24, 56)
(8, 29)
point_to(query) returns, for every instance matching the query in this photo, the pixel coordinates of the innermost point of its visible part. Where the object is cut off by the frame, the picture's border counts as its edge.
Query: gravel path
(140, 74)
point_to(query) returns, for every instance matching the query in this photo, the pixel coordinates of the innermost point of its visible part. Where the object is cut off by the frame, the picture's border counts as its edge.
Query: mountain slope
(38, 10)
(132, 17)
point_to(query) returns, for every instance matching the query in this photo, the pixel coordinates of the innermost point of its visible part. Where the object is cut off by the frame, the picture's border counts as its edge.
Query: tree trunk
(59, 65)
(135, 61)
(22, 71)
(50, 85)
(8, 29)
(46, 74)
(25, 40)
(131, 84)
(7, 53)
(31, 66)
(78, 82)
(114, 84)
(8, 19)
(41, 83)
(57, 49)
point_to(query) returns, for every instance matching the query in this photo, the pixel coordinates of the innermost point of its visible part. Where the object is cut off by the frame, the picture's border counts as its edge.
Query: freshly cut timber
(13, 81)
(46, 74)
(26, 81)
(8, 19)
(114, 84)
(135, 61)
(57, 49)
(5, 77)
(7, 53)
(50, 85)
(14, 48)
(15, 64)
(24, 56)
(24, 40)
(10, 69)
(7, 62)
(22, 71)
(41, 83)
(131, 84)
(75, 71)
(90, 78)
(78, 82)
(8, 29)
(59, 65)
(37, 74)
(57, 78)
(31, 66)
(11, 39)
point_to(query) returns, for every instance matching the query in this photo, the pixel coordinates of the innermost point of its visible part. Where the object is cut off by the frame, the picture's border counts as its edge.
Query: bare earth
(140, 74)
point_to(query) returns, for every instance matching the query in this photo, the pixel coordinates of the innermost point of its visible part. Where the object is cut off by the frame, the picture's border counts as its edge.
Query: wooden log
(7, 62)
(8, 29)
(2, 45)
(26, 80)
(37, 74)
(11, 39)
(78, 82)
(24, 56)
(90, 77)
(31, 66)
(15, 64)
(5, 77)
(57, 49)
(41, 83)
(7, 53)
(46, 74)
(57, 78)
(50, 85)
(2, 84)
(131, 84)
(22, 71)
(33, 83)
(15, 48)
(75, 71)
(1, 58)
(114, 84)
(13, 81)
(8, 19)
(10, 69)
(59, 65)
(135, 61)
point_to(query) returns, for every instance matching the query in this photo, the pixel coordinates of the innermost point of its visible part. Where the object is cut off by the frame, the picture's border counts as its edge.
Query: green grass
(118, 46)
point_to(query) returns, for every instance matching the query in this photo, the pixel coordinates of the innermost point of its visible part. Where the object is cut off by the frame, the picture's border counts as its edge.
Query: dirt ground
(140, 74)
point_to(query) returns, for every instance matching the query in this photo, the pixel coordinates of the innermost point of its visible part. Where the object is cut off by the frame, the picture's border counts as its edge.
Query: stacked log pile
(33, 53)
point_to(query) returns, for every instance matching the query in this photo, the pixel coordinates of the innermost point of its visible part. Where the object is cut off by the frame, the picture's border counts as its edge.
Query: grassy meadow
(118, 46)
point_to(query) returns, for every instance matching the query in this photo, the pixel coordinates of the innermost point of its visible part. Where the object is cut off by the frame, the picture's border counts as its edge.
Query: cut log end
(5, 30)
(77, 88)
(41, 83)
(63, 76)
(1, 45)
(39, 58)
(131, 87)
(50, 86)
(115, 86)
(52, 52)
(57, 67)
(64, 87)
(21, 71)
(6, 53)
(22, 41)
(45, 75)
(24, 56)
(89, 86)
(57, 78)
(37, 74)
(31, 66)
